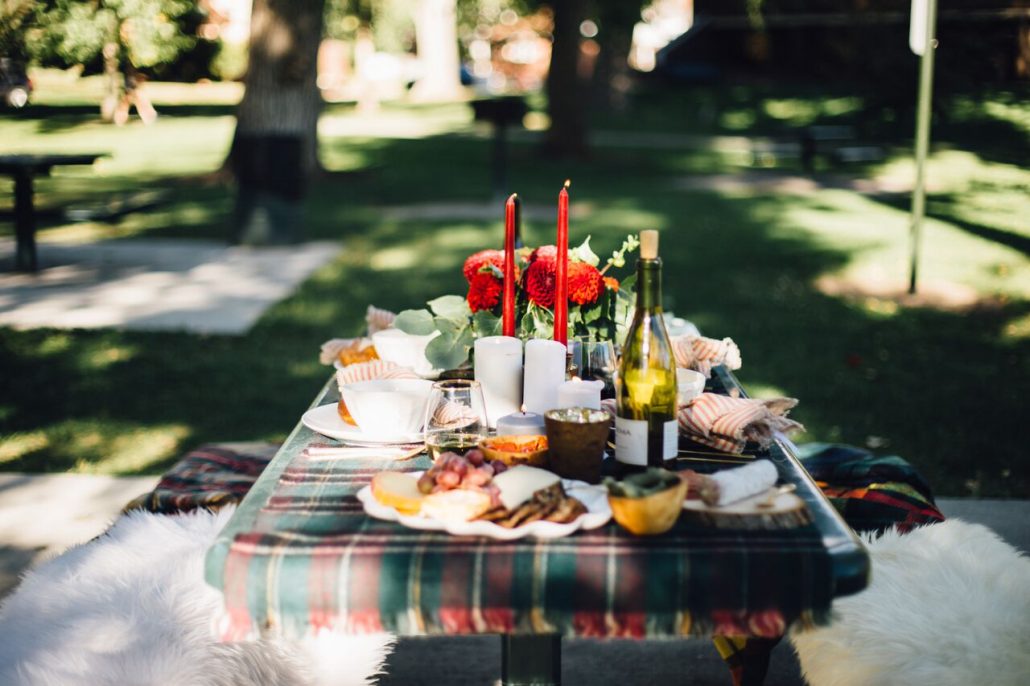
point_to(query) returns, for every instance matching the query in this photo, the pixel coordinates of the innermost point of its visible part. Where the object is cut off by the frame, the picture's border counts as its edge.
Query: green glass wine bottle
(646, 433)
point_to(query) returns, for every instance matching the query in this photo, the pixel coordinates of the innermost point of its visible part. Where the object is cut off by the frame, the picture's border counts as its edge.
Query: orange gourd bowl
(651, 514)
(515, 450)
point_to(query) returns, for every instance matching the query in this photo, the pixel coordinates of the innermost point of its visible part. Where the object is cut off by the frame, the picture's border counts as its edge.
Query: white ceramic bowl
(689, 385)
(387, 409)
(405, 349)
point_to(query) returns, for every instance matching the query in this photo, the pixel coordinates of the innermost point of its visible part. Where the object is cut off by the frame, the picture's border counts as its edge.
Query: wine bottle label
(672, 440)
(631, 440)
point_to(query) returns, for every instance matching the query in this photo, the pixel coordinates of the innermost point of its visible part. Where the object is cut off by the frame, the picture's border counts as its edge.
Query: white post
(922, 41)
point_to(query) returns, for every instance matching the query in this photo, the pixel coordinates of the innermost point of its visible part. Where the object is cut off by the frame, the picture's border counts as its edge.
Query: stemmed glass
(455, 417)
(595, 360)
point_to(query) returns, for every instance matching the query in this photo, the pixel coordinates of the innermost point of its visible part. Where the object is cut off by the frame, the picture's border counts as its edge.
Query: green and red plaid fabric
(309, 558)
(210, 477)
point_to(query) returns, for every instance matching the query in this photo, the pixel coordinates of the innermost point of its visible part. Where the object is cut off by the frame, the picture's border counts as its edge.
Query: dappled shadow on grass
(941, 388)
(55, 118)
(189, 208)
(945, 206)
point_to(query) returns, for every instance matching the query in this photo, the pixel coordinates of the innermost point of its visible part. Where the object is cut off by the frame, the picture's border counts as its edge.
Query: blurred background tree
(147, 35)
(15, 17)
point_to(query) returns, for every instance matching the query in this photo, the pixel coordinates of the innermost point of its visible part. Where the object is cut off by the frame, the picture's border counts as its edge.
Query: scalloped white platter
(595, 498)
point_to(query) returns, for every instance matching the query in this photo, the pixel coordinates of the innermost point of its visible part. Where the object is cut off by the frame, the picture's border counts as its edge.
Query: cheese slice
(518, 484)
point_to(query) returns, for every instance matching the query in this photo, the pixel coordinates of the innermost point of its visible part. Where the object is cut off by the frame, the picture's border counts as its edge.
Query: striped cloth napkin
(727, 424)
(378, 319)
(701, 354)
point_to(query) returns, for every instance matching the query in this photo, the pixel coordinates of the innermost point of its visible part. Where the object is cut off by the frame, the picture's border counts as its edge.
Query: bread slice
(399, 491)
(459, 505)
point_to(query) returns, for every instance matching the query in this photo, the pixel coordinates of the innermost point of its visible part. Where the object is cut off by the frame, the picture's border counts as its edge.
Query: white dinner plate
(595, 498)
(326, 420)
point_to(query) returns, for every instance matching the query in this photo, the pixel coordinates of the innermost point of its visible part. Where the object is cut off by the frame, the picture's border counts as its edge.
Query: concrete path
(45, 514)
(153, 284)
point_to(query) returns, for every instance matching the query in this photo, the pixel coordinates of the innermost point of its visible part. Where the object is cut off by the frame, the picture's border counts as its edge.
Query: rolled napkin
(730, 485)
(701, 354)
(378, 319)
(727, 424)
(373, 369)
(355, 347)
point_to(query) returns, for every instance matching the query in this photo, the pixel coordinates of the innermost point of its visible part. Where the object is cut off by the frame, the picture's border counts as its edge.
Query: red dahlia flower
(540, 282)
(484, 291)
(585, 283)
(481, 259)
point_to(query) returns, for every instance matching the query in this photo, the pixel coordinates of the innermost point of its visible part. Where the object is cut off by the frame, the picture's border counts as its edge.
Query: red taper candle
(561, 271)
(508, 311)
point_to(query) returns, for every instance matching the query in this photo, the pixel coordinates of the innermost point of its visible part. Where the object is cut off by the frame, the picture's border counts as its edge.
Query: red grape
(459, 466)
(479, 477)
(498, 466)
(475, 457)
(448, 479)
(426, 483)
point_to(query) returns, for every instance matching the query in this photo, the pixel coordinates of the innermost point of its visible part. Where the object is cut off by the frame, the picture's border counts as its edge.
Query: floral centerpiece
(599, 305)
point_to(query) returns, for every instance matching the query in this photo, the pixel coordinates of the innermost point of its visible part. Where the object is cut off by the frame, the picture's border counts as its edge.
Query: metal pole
(922, 139)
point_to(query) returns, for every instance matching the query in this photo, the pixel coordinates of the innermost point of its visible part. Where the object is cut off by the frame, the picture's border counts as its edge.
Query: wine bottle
(646, 433)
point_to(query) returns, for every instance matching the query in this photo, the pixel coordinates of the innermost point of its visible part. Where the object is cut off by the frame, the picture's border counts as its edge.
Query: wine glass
(595, 360)
(455, 417)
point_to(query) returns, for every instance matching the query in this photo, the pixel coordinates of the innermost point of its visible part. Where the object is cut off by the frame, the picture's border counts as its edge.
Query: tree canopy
(150, 33)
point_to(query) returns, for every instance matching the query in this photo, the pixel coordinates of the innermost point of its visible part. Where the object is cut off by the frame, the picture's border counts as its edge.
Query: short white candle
(579, 393)
(545, 371)
(498, 368)
(521, 424)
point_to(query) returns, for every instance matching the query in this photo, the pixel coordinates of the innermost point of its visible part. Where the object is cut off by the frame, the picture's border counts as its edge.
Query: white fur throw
(131, 607)
(949, 604)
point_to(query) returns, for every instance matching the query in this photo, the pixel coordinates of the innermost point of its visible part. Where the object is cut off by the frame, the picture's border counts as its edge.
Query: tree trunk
(281, 97)
(436, 35)
(613, 78)
(112, 82)
(566, 101)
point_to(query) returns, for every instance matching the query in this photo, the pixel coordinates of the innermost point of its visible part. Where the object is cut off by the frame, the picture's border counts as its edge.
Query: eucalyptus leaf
(543, 322)
(451, 307)
(415, 322)
(450, 327)
(592, 314)
(448, 351)
(584, 254)
(486, 324)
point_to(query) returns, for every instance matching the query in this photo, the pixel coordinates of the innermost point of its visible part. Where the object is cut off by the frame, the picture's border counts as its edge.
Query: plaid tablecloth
(303, 555)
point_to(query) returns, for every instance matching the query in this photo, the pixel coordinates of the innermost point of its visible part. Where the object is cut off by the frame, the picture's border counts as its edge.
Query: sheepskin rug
(949, 604)
(131, 607)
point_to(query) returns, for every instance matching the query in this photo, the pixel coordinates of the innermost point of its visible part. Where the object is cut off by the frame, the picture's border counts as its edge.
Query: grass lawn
(941, 385)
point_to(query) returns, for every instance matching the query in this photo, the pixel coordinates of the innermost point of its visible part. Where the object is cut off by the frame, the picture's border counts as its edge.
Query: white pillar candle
(521, 424)
(579, 393)
(545, 371)
(498, 369)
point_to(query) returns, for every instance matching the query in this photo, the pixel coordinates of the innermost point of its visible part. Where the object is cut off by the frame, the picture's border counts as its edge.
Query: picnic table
(24, 169)
(300, 554)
